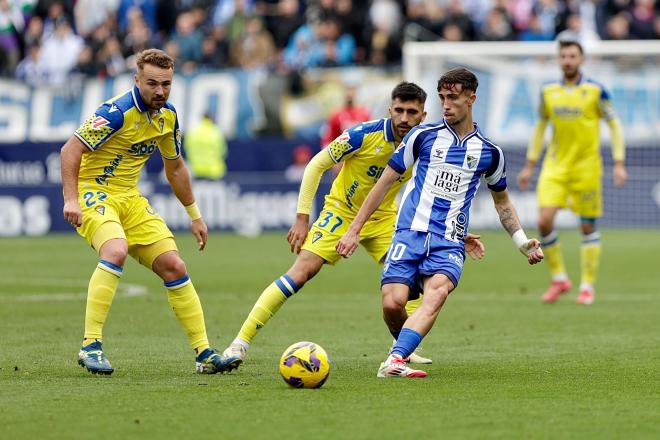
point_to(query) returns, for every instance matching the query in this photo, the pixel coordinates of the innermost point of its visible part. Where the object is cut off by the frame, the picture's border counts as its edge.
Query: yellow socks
(552, 250)
(183, 298)
(101, 290)
(267, 305)
(590, 259)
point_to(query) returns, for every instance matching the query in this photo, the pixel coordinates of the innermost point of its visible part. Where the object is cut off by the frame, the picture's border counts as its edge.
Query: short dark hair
(155, 57)
(407, 91)
(568, 43)
(459, 75)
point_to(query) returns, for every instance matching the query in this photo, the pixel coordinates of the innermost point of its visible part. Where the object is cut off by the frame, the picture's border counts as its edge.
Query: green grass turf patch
(505, 366)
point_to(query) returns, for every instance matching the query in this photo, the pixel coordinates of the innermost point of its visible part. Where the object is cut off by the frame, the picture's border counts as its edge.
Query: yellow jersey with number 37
(364, 150)
(121, 136)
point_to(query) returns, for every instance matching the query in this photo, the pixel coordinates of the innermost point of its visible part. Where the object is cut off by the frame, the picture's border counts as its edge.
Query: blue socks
(407, 342)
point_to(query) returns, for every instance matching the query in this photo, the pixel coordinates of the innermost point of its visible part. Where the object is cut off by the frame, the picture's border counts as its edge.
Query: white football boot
(237, 351)
(395, 366)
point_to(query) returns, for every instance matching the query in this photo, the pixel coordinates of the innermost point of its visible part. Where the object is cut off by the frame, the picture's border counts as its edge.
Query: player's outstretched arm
(531, 248)
(350, 240)
(70, 157)
(179, 178)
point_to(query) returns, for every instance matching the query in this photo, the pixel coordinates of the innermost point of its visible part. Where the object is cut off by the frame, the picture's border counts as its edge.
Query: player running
(449, 159)
(364, 151)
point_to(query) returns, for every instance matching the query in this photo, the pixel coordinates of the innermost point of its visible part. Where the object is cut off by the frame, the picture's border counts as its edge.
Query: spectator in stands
(111, 58)
(206, 149)
(255, 49)
(497, 26)
(384, 44)
(189, 39)
(214, 54)
(34, 32)
(286, 21)
(456, 15)
(86, 65)
(29, 69)
(147, 10)
(302, 154)
(534, 31)
(344, 117)
(59, 52)
(642, 18)
(89, 14)
(11, 23)
(618, 27)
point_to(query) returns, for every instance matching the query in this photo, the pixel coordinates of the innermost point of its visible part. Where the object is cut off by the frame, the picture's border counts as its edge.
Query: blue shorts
(414, 255)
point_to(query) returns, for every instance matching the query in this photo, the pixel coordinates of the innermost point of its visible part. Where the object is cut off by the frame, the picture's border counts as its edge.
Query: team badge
(161, 124)
(99, 122)
(471, 161)
(100, 209)
(317, 236)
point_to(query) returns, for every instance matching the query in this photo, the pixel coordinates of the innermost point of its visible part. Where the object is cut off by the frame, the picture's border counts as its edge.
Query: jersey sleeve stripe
(82, 139)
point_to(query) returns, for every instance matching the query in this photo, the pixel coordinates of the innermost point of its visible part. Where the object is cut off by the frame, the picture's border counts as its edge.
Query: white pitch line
(127, 290)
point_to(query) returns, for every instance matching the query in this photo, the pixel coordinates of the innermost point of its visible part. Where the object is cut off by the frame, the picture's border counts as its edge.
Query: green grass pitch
(505, 366)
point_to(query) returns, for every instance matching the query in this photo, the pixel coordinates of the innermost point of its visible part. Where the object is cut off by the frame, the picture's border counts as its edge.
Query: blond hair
(155, 57)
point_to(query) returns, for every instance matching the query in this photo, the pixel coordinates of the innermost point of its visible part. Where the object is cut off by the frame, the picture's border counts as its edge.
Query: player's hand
(532, 250)
(348, 243)
(620, 174)
(474, 247)
(298, 232)
(525, 178)
(72, 213)
(201, 232)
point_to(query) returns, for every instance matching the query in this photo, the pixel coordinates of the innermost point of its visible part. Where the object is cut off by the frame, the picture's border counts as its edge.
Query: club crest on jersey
(471, 161)
(100, 209)
(161, 124)
(317, 236)
(99, 122)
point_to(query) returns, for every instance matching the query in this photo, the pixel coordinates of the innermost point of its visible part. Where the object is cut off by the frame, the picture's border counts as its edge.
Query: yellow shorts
(376, 235)
(133, 219)
(583, 197)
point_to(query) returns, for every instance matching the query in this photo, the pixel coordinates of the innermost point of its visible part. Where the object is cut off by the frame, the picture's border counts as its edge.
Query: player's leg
(400, 273)
(306, 266)
(551, 196)
(108, 238)
(376, 240)
(318, 249)
(589, 206)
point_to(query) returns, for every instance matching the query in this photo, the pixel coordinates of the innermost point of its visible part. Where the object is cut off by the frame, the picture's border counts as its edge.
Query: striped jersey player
(447, 159)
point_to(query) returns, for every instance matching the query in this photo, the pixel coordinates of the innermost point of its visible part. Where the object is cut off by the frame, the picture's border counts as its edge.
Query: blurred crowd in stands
(44, 41)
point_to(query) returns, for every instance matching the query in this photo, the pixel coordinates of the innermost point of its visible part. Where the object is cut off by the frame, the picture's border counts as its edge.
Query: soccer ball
(305, 365)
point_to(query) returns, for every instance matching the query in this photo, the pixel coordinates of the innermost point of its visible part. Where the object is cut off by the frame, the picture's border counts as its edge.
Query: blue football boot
(91, 357)
(210, 362)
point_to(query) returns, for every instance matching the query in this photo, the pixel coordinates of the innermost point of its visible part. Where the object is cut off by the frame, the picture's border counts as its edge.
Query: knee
(588, 228)
(115, 251)
(171, 268)
(391, 304)
(304, 270)
(545, 225)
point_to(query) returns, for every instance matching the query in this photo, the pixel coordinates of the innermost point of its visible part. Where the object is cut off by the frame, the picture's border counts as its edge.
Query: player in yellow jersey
(364, 150)
(101, 164)
(572, 168)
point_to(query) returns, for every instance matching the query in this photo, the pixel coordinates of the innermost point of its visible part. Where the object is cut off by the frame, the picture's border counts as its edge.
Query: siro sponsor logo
(375, 171)
(571, 112)
(109, 171)
(458, 226)
(351, 192)
(142, 149)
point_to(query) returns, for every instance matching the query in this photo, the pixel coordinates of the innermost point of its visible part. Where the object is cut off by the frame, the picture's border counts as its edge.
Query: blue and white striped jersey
(446, 176)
